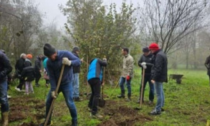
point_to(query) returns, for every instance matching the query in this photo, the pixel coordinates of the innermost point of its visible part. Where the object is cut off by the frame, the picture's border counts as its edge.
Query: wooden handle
(56, 92)
(142, 87)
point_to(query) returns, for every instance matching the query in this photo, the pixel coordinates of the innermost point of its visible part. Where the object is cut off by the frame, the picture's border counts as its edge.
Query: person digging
(95, 75)
(145, 62)
(5, 69)
(54, 64)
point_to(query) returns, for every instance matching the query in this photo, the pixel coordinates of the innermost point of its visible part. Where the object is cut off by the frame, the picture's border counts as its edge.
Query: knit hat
(154, 46)
(49, 50)
(29, 56)
(75, 49)
(145, 49)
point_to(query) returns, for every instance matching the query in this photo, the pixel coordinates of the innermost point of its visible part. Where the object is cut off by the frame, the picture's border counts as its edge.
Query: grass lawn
(186, 104)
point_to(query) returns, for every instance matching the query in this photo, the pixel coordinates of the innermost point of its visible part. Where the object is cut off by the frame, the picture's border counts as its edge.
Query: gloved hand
(144, 65)
(66, 61)
(128, 78)
(104, 59)
(53, 94)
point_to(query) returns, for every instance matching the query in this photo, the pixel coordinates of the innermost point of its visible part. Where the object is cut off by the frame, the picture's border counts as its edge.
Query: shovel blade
(101, 103)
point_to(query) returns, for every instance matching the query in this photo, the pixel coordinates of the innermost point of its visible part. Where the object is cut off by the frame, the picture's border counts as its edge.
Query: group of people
(153, 61)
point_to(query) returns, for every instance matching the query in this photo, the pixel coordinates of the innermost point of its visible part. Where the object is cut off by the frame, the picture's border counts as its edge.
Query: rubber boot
(74, 122)
(129, 97)
(5, 118)
(122, 94)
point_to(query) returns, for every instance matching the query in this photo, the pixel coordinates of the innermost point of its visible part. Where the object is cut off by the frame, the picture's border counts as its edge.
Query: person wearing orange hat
(159, 75)
(29, 56)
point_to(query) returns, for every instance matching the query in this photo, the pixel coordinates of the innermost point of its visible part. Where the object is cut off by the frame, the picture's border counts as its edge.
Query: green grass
(186, 104)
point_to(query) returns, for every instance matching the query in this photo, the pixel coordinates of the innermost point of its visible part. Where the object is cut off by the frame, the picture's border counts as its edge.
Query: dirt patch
(29, 124)
(122, 115)
(17, 116)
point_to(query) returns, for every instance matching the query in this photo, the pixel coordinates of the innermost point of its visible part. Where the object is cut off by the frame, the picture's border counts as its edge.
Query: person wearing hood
(18, 70)
(56, 59)
(76, 71)
(147, 58)
(5, 69)
(159, 76)
(37, 67)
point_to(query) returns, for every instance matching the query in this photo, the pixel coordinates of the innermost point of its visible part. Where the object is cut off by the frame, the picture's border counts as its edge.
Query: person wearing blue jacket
(5, 69)
(95, 79)
(54, 64)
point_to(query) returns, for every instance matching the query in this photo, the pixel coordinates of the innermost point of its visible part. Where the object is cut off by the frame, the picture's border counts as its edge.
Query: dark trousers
(95, 85)
(37, 77)
(21, 83)
(147, 78)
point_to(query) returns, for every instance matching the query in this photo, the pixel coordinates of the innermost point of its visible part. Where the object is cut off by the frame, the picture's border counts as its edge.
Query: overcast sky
(54, 15)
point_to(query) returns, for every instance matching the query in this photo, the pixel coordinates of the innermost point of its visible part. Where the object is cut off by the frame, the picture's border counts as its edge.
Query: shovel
(101, 101)
(142, 89)
(56, 92)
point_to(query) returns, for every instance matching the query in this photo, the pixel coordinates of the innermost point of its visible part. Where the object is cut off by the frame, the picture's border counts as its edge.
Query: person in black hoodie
(207, 65)
(147, 58)
(5, 69)
(76, 71)
(18, 70)
(38, 65)
(159, 76)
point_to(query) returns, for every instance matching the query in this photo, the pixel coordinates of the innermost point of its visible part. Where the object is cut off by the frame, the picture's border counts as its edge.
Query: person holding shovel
(145, 62)
(127, 73)
(56, 60)
(5, 69)
(95, 79)
(207, 65)
(159, 75)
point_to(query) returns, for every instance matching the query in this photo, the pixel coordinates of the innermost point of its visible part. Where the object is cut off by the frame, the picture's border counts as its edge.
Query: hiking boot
(150, 102)
(74, 122)
(77, 99)
(48, 124)
(155, 112)
(8, 96)
(17, 89)
(5, 119)
(96, 116)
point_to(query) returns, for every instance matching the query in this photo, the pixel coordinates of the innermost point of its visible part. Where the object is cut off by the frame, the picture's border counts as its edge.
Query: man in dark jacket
(37, 67)
(159, 75)
(18, 70)
(147, 59)
(94, 77)
(207, 65)
(5, 69)
(76, 71)
(54, 64)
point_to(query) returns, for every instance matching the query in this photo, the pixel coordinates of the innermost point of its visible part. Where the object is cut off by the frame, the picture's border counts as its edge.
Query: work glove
(128, 78)
(144, 65)
(53, 94)
(66, 61)
(104, 59)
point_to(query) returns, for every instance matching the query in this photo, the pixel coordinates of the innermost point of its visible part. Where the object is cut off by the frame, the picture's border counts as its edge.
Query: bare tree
(169, 21)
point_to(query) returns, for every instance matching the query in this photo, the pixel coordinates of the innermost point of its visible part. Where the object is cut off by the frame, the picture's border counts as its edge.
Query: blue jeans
(147, 78)
(76, 85)
(3, 97)
(128, 83)
(160, 96)
(67, 90)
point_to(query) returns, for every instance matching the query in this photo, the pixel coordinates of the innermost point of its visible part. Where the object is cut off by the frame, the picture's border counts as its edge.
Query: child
(28, 75)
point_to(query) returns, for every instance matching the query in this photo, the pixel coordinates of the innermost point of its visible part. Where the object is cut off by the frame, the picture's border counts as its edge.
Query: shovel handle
(56, 92)
(142, 87)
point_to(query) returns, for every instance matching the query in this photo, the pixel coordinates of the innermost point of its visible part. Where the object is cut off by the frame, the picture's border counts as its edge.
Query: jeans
(147, 78)
(160, 96)
(29, 87)
(3, 97)
(21, 83)
(67, 90)
(37, 77)
(128, 83)
(95, 85)
(76, 85)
